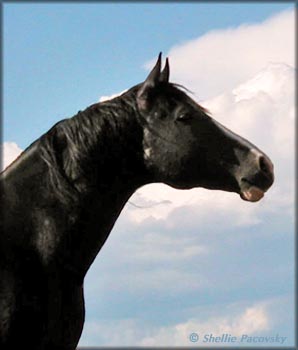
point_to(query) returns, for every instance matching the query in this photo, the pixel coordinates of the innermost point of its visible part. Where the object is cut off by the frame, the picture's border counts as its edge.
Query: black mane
(67, 146)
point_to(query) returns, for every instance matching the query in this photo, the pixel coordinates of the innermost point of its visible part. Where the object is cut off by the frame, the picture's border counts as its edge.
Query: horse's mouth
(251, 192)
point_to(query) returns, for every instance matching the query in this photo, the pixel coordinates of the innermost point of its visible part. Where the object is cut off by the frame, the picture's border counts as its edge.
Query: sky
(194, 261)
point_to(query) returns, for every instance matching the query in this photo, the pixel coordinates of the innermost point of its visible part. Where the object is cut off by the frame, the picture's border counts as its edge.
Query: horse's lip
(251, 192)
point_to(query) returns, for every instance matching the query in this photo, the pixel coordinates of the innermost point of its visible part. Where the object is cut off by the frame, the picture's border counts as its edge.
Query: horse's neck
(59, 233)
(94, 226)
(114, 174)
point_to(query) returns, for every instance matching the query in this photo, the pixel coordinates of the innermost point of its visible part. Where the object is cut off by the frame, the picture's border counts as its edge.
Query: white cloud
(106, 98)
(10, 151)
(240, 319)
(221, 59)
(190, 207)
(252, 320)
(261, 109)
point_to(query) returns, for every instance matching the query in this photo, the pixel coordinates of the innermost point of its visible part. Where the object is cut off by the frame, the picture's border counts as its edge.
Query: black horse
(62, 196)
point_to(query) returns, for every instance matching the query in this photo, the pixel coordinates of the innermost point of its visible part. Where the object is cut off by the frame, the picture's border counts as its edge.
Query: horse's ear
(165, 74)
(151, 82)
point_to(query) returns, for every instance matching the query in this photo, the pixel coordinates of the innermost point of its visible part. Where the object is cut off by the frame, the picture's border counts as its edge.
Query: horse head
(184, 147)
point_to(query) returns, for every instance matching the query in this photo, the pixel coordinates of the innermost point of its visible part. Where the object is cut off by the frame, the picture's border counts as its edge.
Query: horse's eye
(184, 117)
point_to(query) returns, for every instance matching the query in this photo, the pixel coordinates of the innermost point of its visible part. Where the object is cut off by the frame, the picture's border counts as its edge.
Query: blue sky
(206, 261)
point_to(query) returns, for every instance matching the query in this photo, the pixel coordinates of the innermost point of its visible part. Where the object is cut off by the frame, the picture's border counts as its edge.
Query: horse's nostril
(265, 165)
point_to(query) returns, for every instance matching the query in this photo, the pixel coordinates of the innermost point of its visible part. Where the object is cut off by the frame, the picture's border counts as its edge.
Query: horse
(61, 197)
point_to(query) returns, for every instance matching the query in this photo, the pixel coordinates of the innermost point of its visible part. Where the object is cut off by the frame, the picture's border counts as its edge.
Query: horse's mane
(180, 89)
(67, 146)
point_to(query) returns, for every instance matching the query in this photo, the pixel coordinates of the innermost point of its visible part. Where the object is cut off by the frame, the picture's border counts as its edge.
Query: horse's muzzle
(254, 185)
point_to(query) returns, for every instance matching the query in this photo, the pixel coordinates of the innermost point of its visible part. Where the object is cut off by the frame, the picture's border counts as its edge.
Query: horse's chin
(252, 194)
